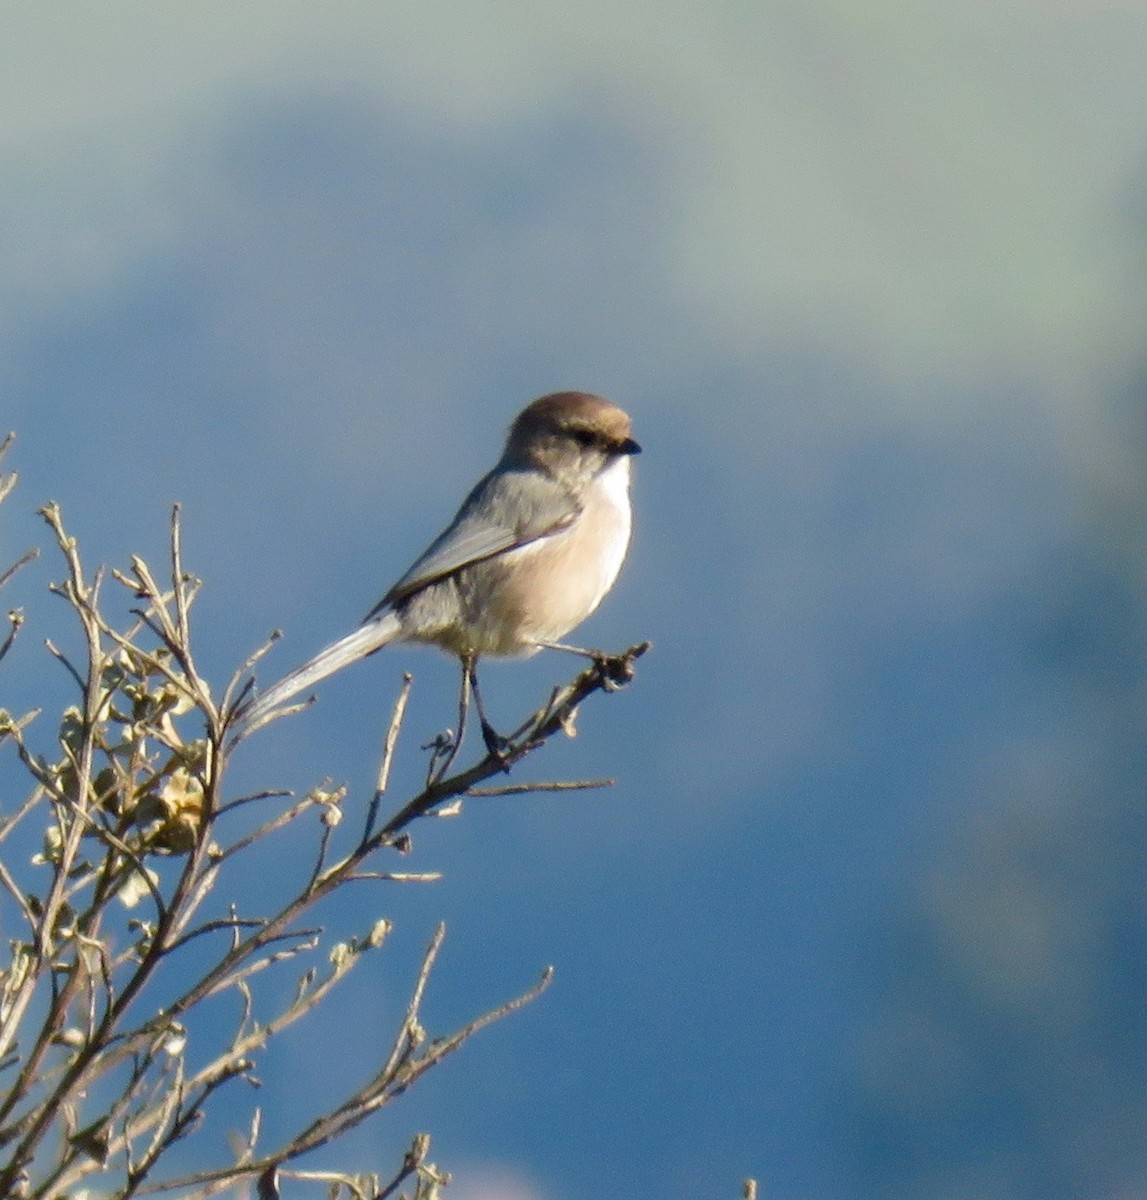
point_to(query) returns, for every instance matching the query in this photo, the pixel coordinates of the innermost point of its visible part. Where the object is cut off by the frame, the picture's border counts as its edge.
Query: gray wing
(507, 509)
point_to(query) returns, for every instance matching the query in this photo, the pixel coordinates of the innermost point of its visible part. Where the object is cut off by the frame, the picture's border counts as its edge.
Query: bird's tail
(372, 635)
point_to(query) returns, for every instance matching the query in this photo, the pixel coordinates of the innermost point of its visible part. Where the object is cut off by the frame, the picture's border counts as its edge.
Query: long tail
(365, 640)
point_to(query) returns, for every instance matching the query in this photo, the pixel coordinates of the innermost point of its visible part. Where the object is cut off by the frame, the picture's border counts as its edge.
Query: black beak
(629, 446)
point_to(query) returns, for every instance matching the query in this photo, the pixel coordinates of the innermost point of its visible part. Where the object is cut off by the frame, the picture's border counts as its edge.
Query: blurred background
(864, 915)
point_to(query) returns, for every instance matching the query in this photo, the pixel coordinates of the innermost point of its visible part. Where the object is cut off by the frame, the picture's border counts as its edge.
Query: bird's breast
(547, 587)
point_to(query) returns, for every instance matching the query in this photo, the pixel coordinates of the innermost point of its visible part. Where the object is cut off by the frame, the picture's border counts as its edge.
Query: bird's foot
(496, 745)
(615, 670)
(443, 750)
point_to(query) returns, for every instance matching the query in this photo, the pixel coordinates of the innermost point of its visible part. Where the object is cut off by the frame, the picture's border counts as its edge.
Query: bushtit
(530, 554)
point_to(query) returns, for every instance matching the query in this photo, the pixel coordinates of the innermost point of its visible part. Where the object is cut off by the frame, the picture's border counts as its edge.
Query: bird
(531, 552)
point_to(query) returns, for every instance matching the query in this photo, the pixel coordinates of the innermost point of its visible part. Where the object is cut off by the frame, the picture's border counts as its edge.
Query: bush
(128, 922)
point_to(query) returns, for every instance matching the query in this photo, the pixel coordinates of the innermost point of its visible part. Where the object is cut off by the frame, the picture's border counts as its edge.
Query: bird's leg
(451, 751)
(496, 744)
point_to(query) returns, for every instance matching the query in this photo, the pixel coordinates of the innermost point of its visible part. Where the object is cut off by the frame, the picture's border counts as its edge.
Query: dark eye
(584, 437)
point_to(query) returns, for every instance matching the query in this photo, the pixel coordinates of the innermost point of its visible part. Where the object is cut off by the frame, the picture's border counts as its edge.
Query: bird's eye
(584, 437)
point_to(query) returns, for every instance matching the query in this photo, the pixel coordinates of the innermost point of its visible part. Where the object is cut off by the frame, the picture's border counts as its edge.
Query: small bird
(529, 555)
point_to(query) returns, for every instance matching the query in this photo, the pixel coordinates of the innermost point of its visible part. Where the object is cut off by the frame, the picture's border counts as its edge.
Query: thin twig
(556, 785)
(7, 482)
(27, 557)
(61, 657)
(241, 682)
(607, 673)
(270, 794)
(411, 1161)
(388, 747)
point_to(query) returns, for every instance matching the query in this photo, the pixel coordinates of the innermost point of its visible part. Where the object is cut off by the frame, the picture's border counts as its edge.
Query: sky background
(864, 915)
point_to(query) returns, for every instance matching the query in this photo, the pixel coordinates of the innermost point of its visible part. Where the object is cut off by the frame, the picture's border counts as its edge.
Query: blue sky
(861, 917)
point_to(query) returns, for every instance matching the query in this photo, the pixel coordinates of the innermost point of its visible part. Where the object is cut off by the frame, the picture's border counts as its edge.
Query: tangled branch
(107, 1065)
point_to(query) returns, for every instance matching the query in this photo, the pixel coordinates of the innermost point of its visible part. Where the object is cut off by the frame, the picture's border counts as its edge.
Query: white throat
(614, 483)
(613, 488)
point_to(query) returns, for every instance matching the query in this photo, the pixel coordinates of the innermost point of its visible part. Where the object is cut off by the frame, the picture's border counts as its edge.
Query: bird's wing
(507, 509)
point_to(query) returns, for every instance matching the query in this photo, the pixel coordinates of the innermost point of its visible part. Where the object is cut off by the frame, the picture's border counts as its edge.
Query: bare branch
(7, 482)
(95, 1012)
(558, 785)
(27, 557)
(607, 673)
(388, 748)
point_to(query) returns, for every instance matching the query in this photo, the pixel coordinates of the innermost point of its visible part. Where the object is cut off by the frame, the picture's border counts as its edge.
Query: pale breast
(552, 585)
